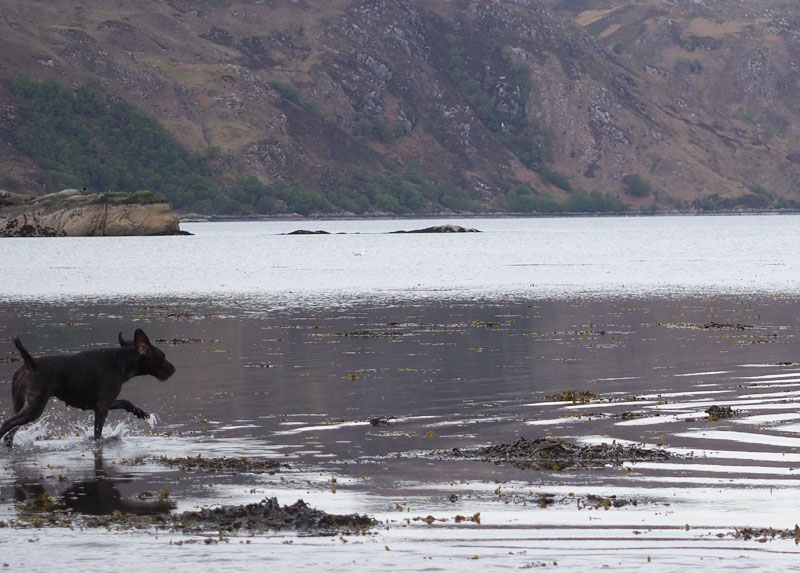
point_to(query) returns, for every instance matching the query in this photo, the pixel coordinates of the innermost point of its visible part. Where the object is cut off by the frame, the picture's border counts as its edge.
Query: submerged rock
(72, 213)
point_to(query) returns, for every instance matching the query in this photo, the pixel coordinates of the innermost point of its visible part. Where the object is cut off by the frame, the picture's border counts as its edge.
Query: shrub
(636, 185)
(532, 203)
(593, 202)
(83, 139)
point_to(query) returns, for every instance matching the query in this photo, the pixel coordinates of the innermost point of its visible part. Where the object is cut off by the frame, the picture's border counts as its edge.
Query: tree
(636, 185)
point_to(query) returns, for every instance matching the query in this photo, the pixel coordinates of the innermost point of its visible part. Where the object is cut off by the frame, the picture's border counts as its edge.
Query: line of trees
(84, 139)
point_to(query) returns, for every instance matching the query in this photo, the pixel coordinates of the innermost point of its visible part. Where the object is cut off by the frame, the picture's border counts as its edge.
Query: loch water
(288, 345)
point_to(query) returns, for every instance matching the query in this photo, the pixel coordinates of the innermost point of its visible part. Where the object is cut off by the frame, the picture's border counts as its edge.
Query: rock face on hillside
(71, 213)
(414, 106)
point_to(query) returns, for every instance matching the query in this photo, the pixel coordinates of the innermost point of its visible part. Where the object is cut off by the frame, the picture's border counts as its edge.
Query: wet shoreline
(301, 387)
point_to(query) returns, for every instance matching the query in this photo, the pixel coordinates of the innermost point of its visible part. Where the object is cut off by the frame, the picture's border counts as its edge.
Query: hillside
(413, 106)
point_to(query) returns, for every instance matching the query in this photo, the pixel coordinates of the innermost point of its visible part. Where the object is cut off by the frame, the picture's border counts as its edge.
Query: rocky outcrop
(443, 229)
(307, 232)
(71, 213)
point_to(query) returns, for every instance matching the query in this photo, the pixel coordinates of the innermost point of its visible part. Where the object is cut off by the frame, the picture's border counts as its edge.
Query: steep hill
(723, 75)
(426, 105)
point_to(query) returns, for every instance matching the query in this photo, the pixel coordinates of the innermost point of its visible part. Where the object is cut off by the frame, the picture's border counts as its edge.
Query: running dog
(89, 380)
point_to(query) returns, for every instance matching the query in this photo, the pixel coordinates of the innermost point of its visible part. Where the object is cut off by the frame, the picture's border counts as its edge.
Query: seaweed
(574, 396)
(556, 454)
(764, 534)
(43, 510)
(226, 464)
(269, 515)
(716, 413)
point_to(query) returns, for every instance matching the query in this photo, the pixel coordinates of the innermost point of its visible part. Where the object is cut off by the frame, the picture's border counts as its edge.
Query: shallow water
(296, 374)
(301, 387)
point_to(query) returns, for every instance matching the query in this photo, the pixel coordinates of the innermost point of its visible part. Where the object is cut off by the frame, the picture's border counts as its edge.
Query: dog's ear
(141, 342)
(123, 342)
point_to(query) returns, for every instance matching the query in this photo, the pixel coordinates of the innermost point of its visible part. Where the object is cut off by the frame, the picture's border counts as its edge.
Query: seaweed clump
(556, 454)
(269, 515)
(574, 396)
(764, 534)
(226, 464)
(716, 413)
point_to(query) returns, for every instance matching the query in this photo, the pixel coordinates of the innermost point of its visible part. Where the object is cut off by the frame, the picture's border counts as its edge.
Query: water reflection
(98, 495)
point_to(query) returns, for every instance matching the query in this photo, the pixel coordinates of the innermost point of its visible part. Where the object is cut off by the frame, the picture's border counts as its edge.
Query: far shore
(198, 218)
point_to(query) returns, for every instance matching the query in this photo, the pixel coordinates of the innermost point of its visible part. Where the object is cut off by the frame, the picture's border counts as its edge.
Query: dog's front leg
(128, 407)
(100, 414)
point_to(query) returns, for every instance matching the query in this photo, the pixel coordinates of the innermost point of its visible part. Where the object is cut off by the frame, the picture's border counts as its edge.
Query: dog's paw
(152, 419)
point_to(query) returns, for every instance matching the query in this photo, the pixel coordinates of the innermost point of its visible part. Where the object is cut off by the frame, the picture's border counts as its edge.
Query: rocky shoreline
(73, 213)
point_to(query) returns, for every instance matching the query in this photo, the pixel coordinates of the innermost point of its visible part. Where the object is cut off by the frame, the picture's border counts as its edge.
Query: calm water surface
(360, 259)
(286, 346)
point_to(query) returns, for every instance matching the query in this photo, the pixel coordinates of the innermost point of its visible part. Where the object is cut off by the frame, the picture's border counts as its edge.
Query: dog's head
(151, 360)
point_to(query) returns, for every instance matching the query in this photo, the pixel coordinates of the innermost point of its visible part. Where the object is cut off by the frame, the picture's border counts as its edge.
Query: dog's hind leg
(27, 414)
(128, 407)
(20, 418)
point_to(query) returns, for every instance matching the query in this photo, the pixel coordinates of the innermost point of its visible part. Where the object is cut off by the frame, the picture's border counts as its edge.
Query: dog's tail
(26, 356)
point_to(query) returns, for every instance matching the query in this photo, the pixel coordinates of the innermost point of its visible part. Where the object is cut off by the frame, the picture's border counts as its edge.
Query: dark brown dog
(89, 380)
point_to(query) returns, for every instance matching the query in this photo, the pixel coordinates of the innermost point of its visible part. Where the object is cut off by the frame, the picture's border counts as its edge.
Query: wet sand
(360, 405)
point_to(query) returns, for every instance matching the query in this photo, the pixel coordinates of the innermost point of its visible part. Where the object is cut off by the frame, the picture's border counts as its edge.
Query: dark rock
(443, 229)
